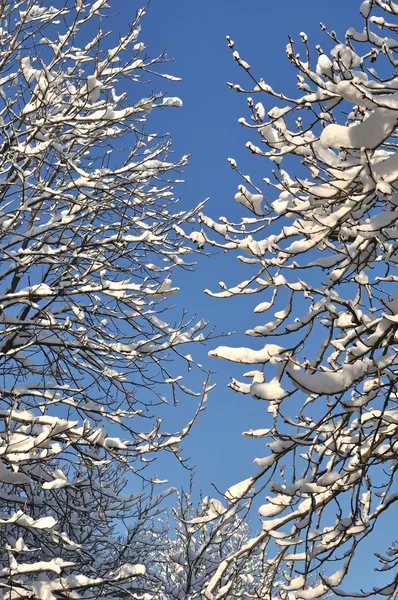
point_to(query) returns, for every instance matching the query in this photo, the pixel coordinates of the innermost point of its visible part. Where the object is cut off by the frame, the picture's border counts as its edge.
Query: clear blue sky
(206, 127)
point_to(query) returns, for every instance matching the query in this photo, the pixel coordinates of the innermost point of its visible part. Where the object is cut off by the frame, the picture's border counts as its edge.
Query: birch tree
(91, 346)
(320, 247)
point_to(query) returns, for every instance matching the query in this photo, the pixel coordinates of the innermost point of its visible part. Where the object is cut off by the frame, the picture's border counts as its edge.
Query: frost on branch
(89, 242)
(321, 243)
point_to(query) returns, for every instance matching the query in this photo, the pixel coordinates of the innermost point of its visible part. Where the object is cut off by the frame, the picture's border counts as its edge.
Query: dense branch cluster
(323, 260)
(91, 350)
(89, 239)
(198, 539)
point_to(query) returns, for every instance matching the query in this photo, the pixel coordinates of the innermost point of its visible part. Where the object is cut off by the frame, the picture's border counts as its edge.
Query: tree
(89, 238)
(187, 553)
(323, 260)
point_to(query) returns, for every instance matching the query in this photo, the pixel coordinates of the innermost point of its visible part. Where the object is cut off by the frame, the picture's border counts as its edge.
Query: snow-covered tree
(90, 346)
(321, 253)
(186, 554)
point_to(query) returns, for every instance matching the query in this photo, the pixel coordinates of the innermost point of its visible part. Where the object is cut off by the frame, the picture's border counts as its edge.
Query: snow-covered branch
(322, 246)
(89, 242)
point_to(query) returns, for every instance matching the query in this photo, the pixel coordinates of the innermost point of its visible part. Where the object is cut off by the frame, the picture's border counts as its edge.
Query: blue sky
(206, 127)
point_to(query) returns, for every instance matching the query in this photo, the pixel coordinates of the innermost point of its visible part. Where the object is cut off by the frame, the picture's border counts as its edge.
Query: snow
(11, 477)
(386, 170)
(257, 433)
(215, 509)
(313, 592)
(266, 461)
(239, 490)
(324, 66)
(56, 565)
(176, 102)
(28, 71)
(128, 570)
(331, 382)
(365, 8)
(295, 584)
(271, 509)
(368, 134)
(94, 87)
(55, 484)
(270, 353)
(26, 521)
(95, 7)
(328, 478)
(268, 391)
(251, 201)
(262, 307)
